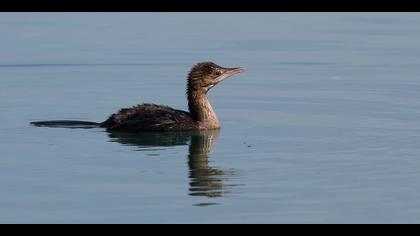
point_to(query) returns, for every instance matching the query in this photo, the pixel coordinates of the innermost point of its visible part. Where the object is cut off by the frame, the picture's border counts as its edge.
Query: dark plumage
(151, 117)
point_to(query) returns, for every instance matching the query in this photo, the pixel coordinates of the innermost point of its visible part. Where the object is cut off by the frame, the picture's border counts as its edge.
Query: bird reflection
(204, 180)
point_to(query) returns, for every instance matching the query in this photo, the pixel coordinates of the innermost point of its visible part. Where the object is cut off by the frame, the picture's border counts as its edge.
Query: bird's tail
(73, 124)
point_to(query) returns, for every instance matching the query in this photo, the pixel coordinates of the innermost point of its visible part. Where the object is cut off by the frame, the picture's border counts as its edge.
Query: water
(323, 127)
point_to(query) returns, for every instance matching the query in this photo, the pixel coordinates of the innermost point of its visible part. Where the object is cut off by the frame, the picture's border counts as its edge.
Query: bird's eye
(218, 73)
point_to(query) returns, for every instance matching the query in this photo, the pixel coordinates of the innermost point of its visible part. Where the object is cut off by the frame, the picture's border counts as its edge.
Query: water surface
(322, 128)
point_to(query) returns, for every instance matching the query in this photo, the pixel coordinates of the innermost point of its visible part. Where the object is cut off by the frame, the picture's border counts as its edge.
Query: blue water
(323, 127)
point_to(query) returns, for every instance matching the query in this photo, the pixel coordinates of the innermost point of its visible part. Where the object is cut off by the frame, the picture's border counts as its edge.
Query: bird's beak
(228, 72)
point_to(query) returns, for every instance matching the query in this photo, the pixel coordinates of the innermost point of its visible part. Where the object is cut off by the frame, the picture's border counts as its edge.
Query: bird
(149, 117)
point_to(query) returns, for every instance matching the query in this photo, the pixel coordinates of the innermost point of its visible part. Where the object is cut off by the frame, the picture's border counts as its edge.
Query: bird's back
(150, 117)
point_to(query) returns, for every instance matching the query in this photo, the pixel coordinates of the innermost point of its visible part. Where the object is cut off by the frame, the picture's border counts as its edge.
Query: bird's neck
(201, 110)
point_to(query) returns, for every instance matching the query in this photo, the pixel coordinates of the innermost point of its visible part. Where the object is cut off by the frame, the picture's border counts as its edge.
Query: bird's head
(205, 75)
